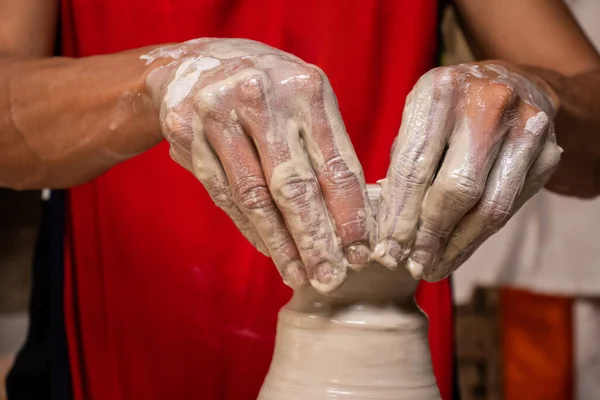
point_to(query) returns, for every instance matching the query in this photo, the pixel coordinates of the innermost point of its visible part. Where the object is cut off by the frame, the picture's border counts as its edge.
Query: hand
(477, 141)
(261, 130)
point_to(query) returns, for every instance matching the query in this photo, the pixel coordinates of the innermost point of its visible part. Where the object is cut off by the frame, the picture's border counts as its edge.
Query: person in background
(546, 259)
(146, 292)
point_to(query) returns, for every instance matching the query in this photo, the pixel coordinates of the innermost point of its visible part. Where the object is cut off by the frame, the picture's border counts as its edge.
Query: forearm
(542, 33)
(541, 40)
(64, 121)
(578, 117)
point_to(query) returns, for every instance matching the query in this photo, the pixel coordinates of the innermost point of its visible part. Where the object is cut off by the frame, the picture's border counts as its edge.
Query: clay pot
(365, 341)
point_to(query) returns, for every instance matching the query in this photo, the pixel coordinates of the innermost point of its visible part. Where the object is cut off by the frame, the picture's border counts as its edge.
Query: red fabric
(165, 299)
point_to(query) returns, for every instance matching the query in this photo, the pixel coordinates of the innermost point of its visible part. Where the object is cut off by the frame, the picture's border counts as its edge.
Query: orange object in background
(537, 346)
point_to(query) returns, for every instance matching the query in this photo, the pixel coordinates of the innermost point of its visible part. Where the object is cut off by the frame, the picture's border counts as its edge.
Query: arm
(65, 121)
(540, 33)
(543, 41)
(54, 130)
(17, 38)
(258, 127)
(478, 140)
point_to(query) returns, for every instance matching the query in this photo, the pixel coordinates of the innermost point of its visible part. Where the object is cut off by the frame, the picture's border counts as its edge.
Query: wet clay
(476, 141)
(365, 340)
(261, 130)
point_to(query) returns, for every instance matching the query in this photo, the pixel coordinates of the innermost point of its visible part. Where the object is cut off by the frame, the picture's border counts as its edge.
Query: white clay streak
(186, 76)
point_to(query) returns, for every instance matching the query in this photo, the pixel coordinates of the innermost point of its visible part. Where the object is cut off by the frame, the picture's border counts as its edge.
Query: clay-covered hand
(261, 130)
(476, 141)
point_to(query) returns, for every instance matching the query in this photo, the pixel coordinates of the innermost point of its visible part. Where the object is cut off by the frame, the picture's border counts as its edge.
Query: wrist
(134, 120)
(551, 83)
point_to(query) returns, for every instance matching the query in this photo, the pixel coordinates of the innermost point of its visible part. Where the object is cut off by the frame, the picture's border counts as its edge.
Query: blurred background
(512, 329)
(19, 219)
(528, 302)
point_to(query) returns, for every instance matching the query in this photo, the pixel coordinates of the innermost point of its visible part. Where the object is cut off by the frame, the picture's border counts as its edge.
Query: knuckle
(409, 170)
(206, 103)
(315, 77)
(311, 240)
(445, 81)
(445, 76)
(222, 200)
(299, 189)
(172, 123)
(314, 73)
(337, 172)
(280, 245)
(495, 214)
(252, 194)
(219, 194)
(440, 80)
(496, 96)
(499, 70)
(462, 189)
(252, 88)
(432, 230)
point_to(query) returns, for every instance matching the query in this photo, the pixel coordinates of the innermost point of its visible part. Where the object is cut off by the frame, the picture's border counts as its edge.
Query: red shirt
(164, 298)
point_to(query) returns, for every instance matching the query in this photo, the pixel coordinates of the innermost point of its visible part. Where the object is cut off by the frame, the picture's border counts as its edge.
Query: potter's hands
(476, 142)
(261, 130)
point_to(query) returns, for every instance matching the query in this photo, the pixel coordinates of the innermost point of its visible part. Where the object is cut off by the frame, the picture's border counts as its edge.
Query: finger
(461, 180)
(178, 133)
(207, 168)
(339, 173)
(501, 198)
(542, 169)
(293, 184)
(426, 124)
(183, 141)
(250, 195)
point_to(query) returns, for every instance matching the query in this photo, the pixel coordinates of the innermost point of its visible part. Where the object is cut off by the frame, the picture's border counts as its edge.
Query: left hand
(477, 141)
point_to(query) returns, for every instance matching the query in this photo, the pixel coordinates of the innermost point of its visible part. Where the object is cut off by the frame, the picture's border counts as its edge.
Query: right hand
(261, 130)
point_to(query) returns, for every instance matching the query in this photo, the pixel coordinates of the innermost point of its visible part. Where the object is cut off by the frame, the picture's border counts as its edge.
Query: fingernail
(389, 253)
(324, 272)
(416, 269)
(294, 274)
(357, 255)
(419, 262)
(327, 277)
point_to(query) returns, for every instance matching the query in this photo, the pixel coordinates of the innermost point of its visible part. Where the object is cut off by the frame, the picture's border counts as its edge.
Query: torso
(165, 299)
